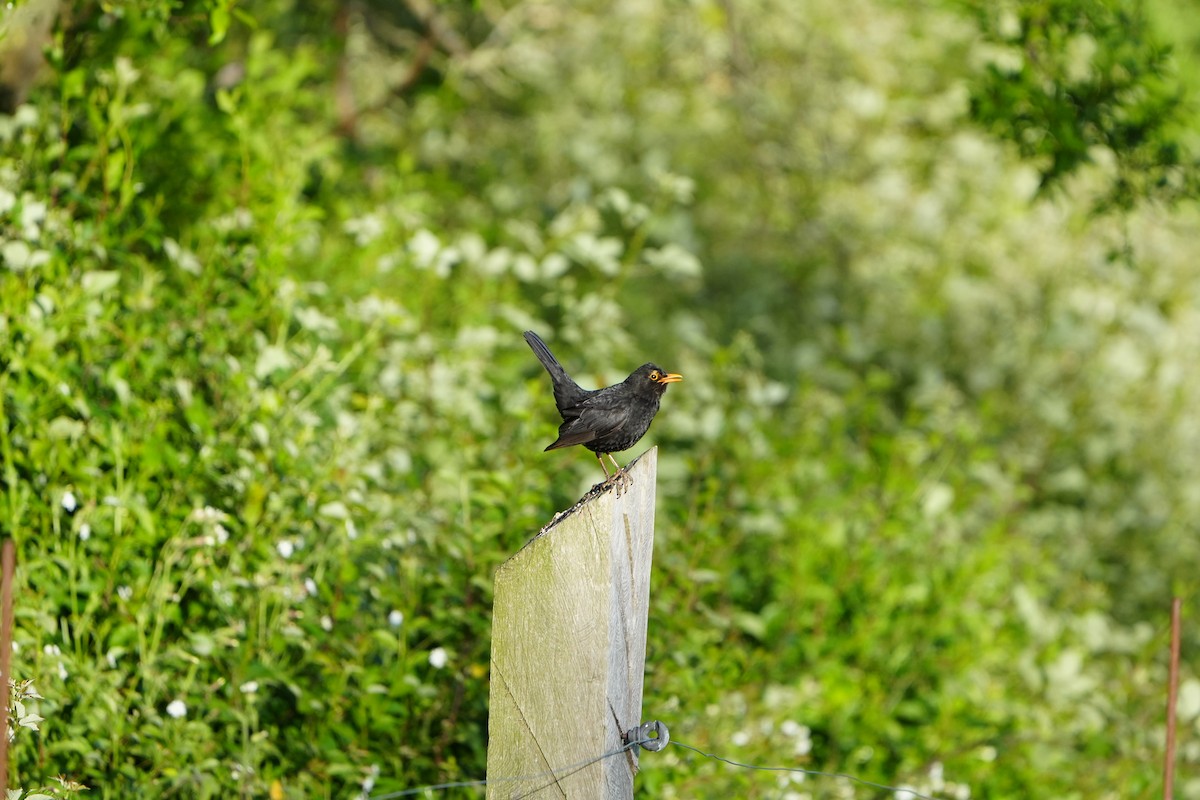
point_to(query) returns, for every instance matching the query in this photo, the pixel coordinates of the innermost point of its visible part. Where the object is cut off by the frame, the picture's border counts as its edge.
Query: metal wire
(554, 774)
(803, 771)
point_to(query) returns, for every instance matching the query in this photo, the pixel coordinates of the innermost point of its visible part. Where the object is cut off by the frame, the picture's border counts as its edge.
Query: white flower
(334, 510)
(438, 657)
(310, 586)
(1188, 704)
(124, 592)
(396, 618)
(740, 738)
(1009, 24)
(184, 259)
(85, 532)
(364, 229)
(424, 247)
(249, 687)
(1080, 51)
(271, 359)
(786, 779)
(177, 709)
(326, 623)
(800, 733)
(285, 548)
(68, 501)
(369, 781)
(208, 514)
(18, 255)
(52, 650)
(221, 533)
(937, 776)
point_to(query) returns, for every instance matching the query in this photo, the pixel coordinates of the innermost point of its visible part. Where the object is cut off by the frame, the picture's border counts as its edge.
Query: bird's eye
(654, 375)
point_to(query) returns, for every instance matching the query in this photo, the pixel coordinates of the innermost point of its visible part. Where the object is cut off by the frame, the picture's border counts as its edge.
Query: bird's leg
(607, 477)
(616, 467)
(617, 477)
(620, 476)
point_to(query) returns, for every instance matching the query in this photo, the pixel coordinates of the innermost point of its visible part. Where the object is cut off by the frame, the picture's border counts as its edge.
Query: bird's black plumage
(608, 420)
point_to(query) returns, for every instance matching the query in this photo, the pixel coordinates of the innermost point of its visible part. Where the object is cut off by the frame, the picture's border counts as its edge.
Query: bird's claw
(621, 480)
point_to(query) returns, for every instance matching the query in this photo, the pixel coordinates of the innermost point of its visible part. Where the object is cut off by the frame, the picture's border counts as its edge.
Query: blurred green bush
(269, 425)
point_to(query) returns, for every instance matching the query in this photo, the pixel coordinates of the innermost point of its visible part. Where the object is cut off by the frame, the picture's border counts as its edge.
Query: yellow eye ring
(654, 375)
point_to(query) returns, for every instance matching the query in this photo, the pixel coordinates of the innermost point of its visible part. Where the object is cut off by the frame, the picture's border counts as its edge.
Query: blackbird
(607, 420)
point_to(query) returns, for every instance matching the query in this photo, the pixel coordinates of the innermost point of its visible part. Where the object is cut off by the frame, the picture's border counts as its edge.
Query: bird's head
(652, 379)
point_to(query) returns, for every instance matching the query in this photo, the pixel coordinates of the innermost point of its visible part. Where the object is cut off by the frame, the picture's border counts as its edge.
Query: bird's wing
(566, 438)
(593, 419)
(604, 421)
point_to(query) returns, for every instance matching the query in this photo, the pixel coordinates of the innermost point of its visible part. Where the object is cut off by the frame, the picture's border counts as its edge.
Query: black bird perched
(607, 420)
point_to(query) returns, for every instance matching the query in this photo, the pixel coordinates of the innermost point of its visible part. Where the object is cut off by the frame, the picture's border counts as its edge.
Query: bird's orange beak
(671, 377)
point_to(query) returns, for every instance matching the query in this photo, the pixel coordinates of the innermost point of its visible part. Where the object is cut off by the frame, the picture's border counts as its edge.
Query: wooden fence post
(569, 649)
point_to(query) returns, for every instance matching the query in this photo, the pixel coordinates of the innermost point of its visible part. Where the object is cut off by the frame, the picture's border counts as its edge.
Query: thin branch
(437, 26)
(1172, 694)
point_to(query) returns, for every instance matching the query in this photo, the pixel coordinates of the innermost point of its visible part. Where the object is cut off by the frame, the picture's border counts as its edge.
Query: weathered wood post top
(569, 648)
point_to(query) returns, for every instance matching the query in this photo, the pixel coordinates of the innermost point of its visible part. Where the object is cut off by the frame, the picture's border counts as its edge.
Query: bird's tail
(566, 390)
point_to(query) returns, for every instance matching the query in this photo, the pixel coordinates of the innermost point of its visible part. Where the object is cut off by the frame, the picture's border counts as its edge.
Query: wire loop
(652, 736)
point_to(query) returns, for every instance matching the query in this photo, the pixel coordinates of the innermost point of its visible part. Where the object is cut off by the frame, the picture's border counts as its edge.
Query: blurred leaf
(99, 281)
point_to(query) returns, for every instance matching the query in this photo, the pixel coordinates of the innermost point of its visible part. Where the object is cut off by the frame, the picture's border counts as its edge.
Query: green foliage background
(269, 426)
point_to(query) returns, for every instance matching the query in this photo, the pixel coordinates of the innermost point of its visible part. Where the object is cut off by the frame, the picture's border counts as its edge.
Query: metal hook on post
(652, 736)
